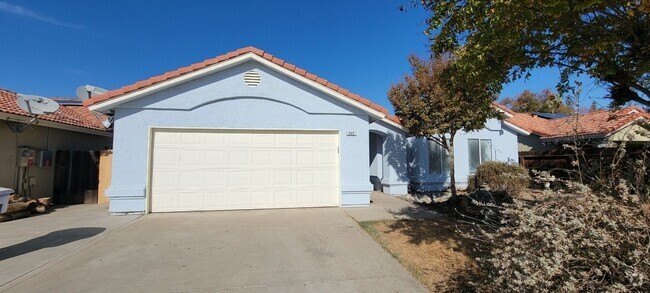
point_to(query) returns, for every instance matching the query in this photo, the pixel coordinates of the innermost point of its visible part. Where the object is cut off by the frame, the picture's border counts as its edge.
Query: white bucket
(4, 199)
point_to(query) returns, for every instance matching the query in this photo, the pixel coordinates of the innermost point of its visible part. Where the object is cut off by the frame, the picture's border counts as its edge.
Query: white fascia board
(626, 125)
(393, 123)
(503, 111)
(51, 124)
(515, 128)
(109, 104)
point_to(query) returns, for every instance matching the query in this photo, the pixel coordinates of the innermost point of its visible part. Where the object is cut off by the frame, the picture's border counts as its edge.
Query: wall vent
(252, 78)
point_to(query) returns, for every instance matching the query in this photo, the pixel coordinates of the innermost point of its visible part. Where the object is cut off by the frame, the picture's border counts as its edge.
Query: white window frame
(480, 152)
(443, 155)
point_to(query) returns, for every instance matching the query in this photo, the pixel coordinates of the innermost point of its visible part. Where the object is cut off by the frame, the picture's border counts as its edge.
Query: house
(599, 128)
(247, 130)
(72, 127)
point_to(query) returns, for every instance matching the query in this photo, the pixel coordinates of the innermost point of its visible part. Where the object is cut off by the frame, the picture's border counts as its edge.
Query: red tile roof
(183, 70)
(596, 123)
(71, 115)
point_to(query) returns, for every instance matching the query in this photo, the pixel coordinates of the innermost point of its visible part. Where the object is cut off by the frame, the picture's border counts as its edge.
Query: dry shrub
(499, 177)
(580, 242)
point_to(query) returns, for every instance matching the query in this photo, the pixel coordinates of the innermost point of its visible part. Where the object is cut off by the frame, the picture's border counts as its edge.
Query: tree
(545, 101)
(432, 105)
(500, 41)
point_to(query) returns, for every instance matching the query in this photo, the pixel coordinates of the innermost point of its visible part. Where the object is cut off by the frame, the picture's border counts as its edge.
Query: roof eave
(110, 104)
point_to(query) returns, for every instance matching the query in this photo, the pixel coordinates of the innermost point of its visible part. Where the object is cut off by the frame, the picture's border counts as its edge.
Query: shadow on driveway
(52, 239)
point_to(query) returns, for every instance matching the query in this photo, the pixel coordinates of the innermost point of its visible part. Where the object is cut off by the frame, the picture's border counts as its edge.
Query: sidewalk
(386, 207)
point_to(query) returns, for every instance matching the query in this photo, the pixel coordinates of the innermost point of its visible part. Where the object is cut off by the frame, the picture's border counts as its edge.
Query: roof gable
(169, 79)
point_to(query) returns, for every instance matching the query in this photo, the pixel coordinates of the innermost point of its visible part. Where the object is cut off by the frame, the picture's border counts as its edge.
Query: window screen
(438, 159)
(480, 150)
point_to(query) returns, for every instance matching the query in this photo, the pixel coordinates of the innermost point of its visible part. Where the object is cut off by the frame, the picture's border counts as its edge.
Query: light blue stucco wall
(222, 100)
(504, 148)
(394, 172)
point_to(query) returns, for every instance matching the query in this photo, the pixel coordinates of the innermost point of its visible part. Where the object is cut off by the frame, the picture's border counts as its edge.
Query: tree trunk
(452, 167)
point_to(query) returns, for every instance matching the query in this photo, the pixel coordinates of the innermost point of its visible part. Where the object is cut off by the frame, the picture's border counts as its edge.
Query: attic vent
(252, 78)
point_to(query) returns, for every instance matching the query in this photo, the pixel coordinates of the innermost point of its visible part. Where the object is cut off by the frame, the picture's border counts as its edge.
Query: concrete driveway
(297, 250)
(30, 245)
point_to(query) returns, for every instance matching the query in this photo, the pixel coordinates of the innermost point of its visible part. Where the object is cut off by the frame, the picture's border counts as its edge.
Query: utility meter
(26, 157)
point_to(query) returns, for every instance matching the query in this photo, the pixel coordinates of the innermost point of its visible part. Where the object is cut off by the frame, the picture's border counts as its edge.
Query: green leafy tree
(500, 41)
(432, 105)
(545, 101)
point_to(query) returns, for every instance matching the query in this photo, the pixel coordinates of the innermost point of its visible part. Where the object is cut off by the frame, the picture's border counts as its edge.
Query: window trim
(442, 155)
(480, 153)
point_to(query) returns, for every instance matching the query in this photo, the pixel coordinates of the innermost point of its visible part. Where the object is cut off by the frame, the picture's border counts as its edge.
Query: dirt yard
(432, 250)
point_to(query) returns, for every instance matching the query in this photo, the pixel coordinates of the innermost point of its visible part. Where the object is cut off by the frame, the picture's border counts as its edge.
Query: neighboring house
(247, 130)
(71, 127)
(597, 128)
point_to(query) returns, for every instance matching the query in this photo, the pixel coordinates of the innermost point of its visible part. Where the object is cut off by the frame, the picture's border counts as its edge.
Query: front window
(438, 159)
(480, 150)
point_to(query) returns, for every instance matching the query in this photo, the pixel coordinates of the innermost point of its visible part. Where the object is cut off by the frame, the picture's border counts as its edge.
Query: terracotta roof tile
(183, 70)
(300, 71)
(597, 123)
(66, 114)
(278, 61)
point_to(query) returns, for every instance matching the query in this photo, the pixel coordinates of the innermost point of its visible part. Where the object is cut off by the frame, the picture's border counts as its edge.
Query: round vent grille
(252, 78)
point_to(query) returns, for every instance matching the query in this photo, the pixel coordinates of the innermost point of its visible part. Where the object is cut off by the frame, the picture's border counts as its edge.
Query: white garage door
(198, 170)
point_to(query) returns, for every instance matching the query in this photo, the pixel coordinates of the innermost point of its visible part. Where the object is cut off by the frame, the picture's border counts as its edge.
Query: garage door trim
(154, 129)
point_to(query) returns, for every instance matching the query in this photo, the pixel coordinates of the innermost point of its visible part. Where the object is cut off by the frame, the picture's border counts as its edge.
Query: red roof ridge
(232, 54)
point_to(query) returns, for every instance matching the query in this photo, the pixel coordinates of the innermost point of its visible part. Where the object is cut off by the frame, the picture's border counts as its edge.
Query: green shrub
(499, 177)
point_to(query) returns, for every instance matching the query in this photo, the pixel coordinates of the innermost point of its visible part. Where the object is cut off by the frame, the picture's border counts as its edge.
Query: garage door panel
(215, 158)
(192, 139)
(237, 158)
(262, 178)
(164, 179)
(222, 170)
(240, 139)
(284, 198)
(191, 201)
(216, 179)
(166, 158)
(306, 197)
(165, 202)
(214, 200)
(305, 177)
(262, 199)
(190, 179)
(238, 178)
(238, 199)
(191, 159)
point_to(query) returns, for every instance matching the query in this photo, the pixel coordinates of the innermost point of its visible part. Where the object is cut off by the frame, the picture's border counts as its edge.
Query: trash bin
(4, 199)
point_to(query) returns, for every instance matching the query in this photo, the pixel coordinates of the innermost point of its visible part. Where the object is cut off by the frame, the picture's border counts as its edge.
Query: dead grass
(432, 250)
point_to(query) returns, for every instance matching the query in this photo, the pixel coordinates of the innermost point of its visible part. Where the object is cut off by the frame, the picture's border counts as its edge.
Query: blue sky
(51, 47)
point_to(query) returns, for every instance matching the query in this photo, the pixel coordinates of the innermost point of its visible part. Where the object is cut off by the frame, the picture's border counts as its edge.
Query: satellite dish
(36, 105)
(86, 92)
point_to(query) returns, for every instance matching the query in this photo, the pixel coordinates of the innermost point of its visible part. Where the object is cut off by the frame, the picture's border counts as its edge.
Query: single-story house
(247, 130)
(72, 128)
(599, 128)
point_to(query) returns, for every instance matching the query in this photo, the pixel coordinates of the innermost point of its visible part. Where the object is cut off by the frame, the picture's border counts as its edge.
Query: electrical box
(44, 159)
(26, 157)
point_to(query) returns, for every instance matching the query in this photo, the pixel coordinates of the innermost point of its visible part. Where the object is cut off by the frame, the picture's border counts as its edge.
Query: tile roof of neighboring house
(230, 55)
(71, 115)
(596, 123)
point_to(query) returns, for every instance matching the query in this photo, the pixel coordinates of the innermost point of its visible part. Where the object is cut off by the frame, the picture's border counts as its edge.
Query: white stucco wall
(222, 100)
(504, 148)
